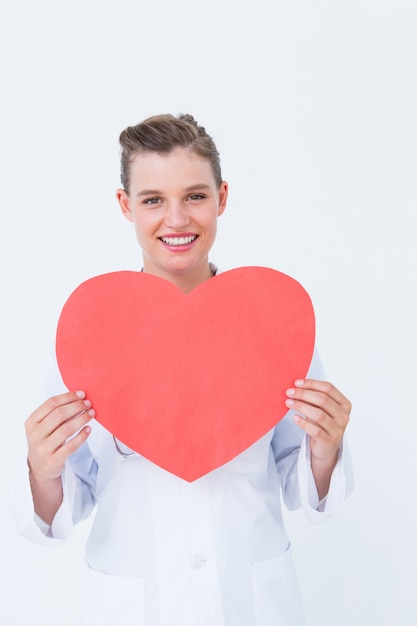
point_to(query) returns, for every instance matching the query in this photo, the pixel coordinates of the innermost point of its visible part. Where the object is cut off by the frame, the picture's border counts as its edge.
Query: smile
(178, 241)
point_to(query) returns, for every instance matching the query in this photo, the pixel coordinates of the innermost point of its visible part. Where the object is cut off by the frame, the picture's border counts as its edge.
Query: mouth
(178, 240)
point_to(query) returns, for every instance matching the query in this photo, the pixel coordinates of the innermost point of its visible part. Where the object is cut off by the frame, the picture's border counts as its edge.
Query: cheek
(213, 223)
(143, 223)
(209, 219)
(146, 230)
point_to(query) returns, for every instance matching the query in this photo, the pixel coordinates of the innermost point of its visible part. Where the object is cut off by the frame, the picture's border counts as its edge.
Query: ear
(123, 200)
(223, 193)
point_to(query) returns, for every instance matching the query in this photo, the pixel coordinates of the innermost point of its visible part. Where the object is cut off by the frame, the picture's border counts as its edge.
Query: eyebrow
(157, 192)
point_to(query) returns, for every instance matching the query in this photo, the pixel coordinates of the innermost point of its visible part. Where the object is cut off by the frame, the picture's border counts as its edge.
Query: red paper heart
(188, 381)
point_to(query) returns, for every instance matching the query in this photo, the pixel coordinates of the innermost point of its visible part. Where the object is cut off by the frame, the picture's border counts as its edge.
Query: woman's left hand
(325, 414)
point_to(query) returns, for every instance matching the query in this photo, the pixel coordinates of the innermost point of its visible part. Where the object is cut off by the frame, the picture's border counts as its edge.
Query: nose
(176, 215)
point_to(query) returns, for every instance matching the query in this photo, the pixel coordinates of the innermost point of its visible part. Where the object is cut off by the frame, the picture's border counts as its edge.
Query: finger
(41, 449)
(64, 451)
(48, 464)
(318, 407)
(314, 415)
(312, 428)
(315, 398)
(323, 445)
(65, 415)
(324, 396)
(325, 387)
(53, 403)
(330, 417)
(58, 413)
(68, 430)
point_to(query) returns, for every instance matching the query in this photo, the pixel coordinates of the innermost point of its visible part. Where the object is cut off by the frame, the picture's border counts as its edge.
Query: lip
(178, 247)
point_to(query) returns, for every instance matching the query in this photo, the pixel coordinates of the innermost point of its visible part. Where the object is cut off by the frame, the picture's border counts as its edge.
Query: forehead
(181, 166)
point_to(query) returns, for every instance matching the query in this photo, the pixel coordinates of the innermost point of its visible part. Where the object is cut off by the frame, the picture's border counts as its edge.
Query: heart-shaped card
(188, 381)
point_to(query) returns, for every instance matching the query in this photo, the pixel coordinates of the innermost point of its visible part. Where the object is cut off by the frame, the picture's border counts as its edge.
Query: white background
(313, 108)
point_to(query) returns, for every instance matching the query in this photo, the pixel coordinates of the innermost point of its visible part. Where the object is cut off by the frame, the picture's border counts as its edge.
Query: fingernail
(87, 403)
(296, 418)
(91, 412)
(290, 392)
(299, 383)
(80, 394)
(289, 402)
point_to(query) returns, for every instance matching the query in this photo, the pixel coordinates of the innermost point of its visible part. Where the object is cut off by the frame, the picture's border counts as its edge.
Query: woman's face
(174, 203)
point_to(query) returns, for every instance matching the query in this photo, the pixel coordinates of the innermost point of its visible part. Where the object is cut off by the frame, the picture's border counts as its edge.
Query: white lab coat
(165, 552)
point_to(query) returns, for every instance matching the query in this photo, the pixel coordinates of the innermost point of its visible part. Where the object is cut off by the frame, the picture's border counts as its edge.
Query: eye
(196, 196)
(150, 201)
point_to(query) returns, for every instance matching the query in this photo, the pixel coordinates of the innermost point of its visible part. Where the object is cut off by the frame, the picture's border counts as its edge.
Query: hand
(325, 414)
(50, 433)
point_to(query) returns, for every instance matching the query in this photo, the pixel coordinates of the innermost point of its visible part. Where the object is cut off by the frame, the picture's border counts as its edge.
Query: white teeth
(178, 241)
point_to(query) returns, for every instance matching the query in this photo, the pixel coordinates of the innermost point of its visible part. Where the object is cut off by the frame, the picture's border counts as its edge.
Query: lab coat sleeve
(291, 449)
(78, 480)
(78, 483)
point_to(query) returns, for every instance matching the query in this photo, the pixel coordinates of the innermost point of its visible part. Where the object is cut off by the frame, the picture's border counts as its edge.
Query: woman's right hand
(54, 431)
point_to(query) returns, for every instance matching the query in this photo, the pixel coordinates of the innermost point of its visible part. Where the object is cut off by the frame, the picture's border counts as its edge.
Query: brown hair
(163, 133)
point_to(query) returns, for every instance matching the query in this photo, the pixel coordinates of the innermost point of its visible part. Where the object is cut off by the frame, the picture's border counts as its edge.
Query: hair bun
(186, 117)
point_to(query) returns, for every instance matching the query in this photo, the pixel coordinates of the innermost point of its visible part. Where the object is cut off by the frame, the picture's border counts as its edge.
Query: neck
(187, 281)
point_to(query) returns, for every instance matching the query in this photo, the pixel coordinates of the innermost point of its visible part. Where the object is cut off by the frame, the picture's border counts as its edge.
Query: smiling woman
(165, 549)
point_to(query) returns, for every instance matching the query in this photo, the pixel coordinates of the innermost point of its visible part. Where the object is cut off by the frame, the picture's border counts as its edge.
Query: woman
(163, 551)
